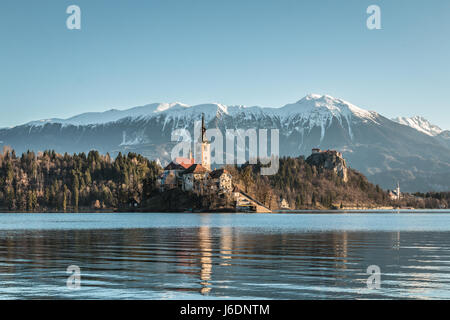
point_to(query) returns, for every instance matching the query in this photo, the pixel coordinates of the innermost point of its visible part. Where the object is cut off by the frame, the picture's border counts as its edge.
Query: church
(188, 174)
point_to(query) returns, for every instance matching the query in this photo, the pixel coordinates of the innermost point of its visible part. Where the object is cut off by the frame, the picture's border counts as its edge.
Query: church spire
(203, 129)
(203, 147)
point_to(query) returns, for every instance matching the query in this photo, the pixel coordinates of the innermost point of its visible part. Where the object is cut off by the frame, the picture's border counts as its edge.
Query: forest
(49, 182)
(305, 186)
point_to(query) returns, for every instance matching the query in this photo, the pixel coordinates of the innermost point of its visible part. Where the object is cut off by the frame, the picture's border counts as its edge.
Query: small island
(51, 182)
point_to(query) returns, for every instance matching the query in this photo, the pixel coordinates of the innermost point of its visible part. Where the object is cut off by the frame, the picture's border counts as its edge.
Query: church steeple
(203, 147)
(203, 137)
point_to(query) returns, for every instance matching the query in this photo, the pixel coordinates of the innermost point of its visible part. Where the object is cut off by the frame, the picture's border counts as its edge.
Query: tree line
(48, 181)
(306, 186)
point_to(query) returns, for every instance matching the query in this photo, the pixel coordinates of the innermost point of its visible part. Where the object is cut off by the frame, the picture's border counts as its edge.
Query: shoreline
(277, 212)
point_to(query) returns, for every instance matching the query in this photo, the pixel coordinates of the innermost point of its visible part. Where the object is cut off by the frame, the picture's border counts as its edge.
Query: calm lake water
(225, 256)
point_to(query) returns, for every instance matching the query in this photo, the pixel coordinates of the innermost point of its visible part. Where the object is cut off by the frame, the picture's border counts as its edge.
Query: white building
(195, 179)
(220, 181)
(395, 194)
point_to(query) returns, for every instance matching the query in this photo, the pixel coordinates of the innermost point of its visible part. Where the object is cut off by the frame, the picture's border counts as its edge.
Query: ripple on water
(224, 256)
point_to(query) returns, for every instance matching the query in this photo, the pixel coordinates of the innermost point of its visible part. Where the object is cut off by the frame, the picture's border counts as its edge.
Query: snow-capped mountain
(384, 150)
(112, 115)
(421, 124)
(316, 108)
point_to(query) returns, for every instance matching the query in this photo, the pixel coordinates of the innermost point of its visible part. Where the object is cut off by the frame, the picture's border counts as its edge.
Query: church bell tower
(203, 147)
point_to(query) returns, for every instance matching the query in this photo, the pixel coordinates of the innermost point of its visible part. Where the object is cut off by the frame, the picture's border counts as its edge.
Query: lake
(225, 256)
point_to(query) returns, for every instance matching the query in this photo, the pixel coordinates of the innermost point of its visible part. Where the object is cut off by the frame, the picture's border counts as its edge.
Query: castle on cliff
(331, 160)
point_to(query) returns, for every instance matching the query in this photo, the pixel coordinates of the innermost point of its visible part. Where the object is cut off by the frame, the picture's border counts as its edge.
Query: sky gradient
(251, 52)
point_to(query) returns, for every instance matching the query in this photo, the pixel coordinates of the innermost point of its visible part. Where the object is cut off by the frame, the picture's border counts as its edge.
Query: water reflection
(205, 259)
(226, 245)
(224, 262)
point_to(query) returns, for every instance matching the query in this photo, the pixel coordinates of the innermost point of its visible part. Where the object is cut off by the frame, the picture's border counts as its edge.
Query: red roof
(184, 162)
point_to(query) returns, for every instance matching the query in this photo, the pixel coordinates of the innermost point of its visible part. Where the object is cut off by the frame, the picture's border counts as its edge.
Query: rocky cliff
(330, 160)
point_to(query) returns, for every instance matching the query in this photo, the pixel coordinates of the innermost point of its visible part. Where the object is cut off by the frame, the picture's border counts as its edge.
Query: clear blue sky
(252, 52)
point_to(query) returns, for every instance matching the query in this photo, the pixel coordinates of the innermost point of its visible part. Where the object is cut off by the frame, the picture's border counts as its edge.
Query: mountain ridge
(311, 103)
(420, 124)
(384, 150)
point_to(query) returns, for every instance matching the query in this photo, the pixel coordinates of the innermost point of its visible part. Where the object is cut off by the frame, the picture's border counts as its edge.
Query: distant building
(220, 180)
(317, 150)
(195, 179)
(284, 204)
(395, 194)
(171, 177)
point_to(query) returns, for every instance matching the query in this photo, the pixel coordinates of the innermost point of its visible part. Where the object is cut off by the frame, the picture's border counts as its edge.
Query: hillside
(305, 185)
(49, 182)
